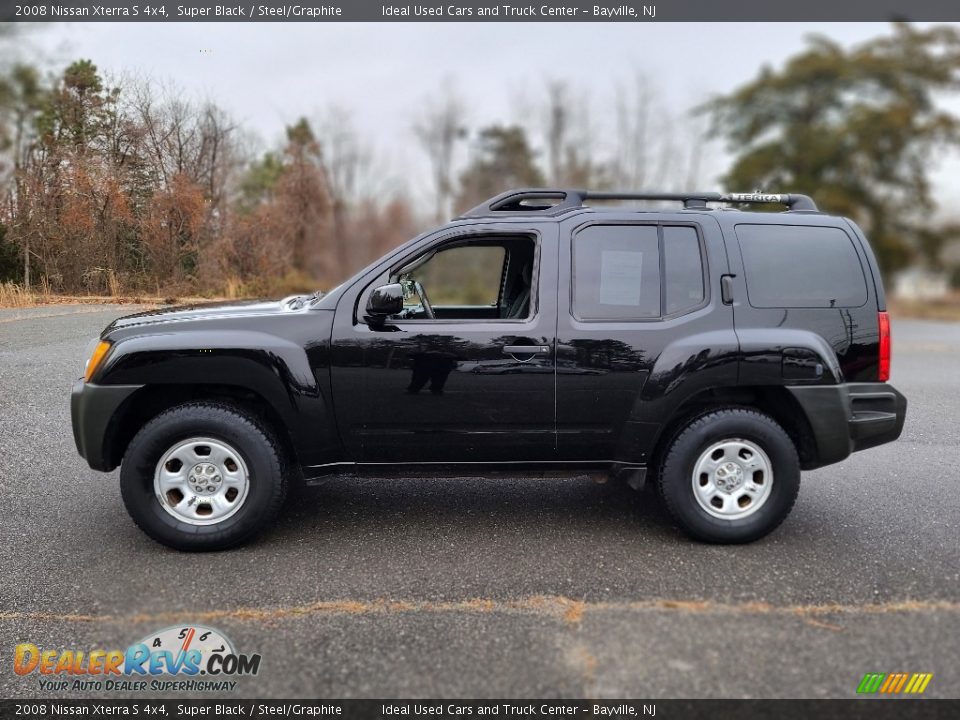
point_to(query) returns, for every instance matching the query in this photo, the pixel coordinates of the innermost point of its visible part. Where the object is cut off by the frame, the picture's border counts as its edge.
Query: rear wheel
(203, 476)
(731, 476)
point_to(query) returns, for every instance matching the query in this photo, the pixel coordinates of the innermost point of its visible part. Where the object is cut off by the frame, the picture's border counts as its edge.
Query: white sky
(268, 74)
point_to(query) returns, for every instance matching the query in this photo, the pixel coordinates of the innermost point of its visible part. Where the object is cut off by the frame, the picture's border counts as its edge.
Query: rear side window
(801, 266)
(616, 272)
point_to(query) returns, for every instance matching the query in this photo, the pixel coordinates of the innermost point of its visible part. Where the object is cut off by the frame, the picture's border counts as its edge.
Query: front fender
(274, 368)
(210, 356)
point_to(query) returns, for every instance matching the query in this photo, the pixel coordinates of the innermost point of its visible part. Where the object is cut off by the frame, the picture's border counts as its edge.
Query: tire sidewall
(158, 436)
(677, 482)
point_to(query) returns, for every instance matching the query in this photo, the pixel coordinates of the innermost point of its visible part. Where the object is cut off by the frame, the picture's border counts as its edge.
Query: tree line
(123, 187)
(127, 186)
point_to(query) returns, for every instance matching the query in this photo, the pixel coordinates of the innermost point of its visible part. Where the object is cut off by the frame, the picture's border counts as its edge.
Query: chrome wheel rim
(732, 479)
(201, 481)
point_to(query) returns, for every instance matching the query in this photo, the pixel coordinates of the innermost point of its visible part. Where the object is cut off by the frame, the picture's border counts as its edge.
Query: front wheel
(203, 476)
(731, 476)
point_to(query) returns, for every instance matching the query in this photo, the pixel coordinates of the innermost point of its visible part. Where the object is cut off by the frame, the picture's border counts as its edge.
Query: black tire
(675, 481)
(259, 449)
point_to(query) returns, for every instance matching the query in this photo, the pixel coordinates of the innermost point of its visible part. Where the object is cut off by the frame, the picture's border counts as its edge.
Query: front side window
(490, 278)
(464, 275)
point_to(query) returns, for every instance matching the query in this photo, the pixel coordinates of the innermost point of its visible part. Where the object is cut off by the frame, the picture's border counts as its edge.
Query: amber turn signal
(96, 359)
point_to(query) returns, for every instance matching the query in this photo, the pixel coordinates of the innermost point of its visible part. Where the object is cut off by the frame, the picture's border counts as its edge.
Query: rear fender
(685, 368)
(785, 356)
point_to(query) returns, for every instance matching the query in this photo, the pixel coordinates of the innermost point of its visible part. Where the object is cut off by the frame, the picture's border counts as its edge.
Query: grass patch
(14, 295)
(947, 308)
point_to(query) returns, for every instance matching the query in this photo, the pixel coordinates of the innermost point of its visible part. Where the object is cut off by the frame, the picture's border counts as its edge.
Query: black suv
(717, 351)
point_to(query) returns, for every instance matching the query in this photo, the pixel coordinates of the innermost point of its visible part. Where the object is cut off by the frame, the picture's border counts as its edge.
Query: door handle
(726, 289)
(526, 349)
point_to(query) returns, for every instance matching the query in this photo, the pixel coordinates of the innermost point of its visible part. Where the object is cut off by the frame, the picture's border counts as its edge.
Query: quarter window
(800, 266)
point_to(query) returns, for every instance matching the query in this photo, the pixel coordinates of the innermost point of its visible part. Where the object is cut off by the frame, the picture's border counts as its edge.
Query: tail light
(884, 372)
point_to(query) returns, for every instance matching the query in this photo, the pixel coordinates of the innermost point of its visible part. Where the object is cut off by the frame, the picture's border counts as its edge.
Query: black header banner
(475, 11)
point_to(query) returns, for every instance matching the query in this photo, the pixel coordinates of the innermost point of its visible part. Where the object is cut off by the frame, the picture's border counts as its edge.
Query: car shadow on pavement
(475, 502)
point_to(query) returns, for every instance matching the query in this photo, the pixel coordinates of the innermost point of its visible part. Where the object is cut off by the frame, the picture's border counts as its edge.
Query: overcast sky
(267, 74)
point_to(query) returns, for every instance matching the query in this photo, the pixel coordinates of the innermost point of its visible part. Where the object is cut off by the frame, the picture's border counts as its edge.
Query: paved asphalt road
(481, 588)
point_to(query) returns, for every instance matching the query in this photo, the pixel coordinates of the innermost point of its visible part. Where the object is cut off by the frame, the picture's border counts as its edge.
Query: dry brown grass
(947, 308)
(566, 610)
(574, 613)
(14, 295)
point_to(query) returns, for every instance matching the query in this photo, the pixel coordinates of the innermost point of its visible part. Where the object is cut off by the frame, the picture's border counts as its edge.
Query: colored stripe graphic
(894, 683)
(898, 685)
(871, 682)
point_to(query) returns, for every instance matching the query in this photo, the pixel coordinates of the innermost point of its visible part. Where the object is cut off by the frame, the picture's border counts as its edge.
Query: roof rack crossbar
(554, 201)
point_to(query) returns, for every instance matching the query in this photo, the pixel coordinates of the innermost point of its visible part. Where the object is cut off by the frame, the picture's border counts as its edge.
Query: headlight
(96, 359)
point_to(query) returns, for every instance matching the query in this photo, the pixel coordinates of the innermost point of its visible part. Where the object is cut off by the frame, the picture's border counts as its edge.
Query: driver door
(465, 373)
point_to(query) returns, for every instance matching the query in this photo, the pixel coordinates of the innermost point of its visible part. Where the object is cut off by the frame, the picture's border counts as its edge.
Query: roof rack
(555, 201)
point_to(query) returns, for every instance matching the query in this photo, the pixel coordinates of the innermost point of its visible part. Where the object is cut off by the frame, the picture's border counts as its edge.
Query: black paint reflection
(432, 367)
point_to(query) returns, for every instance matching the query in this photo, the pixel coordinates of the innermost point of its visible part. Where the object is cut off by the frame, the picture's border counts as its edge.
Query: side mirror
(383, 302)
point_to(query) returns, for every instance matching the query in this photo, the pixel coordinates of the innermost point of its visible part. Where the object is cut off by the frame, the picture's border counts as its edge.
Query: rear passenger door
(637, 298)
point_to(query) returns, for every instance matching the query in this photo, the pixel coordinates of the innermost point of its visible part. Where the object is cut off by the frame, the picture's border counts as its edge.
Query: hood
(211, 311)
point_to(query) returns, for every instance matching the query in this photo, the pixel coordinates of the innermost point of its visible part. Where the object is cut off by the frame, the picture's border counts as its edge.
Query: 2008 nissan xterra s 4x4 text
(717, 351)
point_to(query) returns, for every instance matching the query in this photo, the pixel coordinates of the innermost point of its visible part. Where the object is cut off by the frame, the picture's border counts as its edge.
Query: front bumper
(92, 409)
(850, 417)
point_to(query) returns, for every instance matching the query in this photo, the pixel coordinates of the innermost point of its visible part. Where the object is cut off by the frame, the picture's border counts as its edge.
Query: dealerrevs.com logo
(187, 658)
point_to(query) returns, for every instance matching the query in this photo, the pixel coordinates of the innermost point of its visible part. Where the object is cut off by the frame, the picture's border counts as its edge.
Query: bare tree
(573, 157)
(655, 148)
(21, 99)
(696, 127)
(349, 168)
(558, 125)
(632, 164)
(440, 129)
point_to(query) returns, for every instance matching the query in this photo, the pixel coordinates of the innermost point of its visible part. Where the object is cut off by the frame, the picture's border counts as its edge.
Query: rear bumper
(850, 417)
(92, 407)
